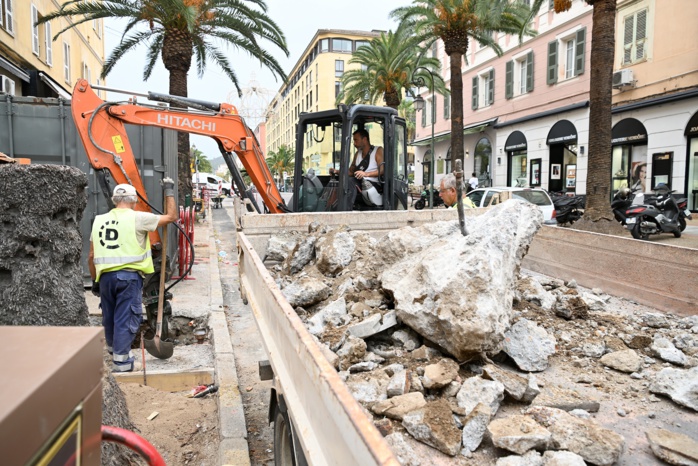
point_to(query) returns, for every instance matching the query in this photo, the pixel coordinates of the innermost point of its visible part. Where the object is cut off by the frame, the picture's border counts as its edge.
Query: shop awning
(55, 86)
(692, 126)
(469, 129)
(628, 131)
(14, 69)
(516, 141)
(563, 131)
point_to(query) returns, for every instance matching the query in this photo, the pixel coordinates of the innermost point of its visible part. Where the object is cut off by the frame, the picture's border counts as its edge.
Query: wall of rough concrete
(40, 245)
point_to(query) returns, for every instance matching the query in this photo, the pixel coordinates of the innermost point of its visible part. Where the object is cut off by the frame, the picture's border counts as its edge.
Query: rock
(352, 351)
(655, 320)
(305, 292)
(363, 366)
(566, 400)
(594, 349)
(280, 246)
(477, 390)
(302, 254)
(433, 424)
(467, 310)
(581, 436)
(624, 361)
(562, 458)
(685, 341)
(393, 369)
(665, 349)
(678, 384)
(334, 313)
(529, 345)
(398, 406)
(403, 451)
(415, 383)
(425, 353)
(515, 385)
(360, 310)
(532, 458)
(571, 307)
(474, 427)
(373, 324)
(639, 341)
(406, 338)
(572, 284)
(367, 387)
(399, 384)
(518, 434)
(594, 302)
(672, 447)
(580, 413)
(334, 251)
(451, 390)
(614, 344)
(532, 291)
(440, 374)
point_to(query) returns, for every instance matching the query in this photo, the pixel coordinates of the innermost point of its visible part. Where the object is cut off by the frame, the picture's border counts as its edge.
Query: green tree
(281, 161)
(456, 23)
(197, 156)
(387, 65)
(603, 31)
(177, 31)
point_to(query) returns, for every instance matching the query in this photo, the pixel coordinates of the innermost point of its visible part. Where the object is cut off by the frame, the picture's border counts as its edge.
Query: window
(324, 45)
(424, 115)
(566, 56)
(341, 45)
(634, 37)
(483, 90)
(447, 106)
(360, 43)
(435, 49)
(338, 68)
(48, 43)
(519, 76)
(96, 25)
(66, 62)
(337, 88)
(7, 15)
(35, 30)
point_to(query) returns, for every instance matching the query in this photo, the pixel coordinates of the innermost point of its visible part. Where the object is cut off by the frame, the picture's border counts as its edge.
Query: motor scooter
(568, 209)
(622, 200)
(424, 200)
(659, 214)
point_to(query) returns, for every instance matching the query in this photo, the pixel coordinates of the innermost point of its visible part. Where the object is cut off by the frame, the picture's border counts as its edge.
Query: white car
(212, 183)
(482, 197)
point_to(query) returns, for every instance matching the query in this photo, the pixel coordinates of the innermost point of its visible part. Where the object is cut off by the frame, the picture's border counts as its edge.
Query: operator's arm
(379, 162)
(91, 262)
(352, 167)
(170, 206)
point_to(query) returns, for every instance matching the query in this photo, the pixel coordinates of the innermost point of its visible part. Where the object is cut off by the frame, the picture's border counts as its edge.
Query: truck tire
(287, 450)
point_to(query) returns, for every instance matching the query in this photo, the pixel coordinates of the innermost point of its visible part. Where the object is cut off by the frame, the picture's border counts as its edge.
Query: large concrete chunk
(478, 390)
(529, 345)
(672, 447)
(465, 305)
(679, 385)
(474, 428)
(624, 361)
(334, 251)
(398, 406)
(434, 425)
(516, 385)
(305, 292)
(518, 434)
(334, 313)
(440, 374)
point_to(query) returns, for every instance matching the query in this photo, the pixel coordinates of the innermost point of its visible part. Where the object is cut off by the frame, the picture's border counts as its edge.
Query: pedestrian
(119, 258)
(448, 193)
(473, 182)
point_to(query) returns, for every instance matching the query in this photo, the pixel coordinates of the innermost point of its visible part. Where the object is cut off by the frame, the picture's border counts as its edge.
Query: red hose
(135, 442)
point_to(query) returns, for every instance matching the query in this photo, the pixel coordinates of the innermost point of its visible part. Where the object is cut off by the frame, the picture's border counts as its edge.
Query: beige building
(314, 84)
(32, 64)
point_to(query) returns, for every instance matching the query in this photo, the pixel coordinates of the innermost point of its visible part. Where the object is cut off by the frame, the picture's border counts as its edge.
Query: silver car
(484, 197)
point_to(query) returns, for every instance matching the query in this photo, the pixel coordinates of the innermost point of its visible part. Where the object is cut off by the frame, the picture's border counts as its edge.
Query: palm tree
(200, 159)
(387, 64)
(281, 161)
(456, 23)
(177, 31)
(600, 96)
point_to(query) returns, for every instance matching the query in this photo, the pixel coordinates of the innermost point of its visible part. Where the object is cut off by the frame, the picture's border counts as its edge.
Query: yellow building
(313, 85)
(32, 64)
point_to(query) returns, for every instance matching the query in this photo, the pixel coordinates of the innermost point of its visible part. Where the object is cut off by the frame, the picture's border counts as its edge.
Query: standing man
(473, 182)
(447, 192)
(119, 258)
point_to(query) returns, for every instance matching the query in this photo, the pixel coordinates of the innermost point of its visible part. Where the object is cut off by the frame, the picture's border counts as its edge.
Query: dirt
(185, 431)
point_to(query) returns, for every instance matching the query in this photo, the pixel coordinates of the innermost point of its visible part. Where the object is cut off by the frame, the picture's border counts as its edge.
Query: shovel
(157, 347)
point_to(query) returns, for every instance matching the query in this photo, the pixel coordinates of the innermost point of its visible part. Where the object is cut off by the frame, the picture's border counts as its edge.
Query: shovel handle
(163, 271)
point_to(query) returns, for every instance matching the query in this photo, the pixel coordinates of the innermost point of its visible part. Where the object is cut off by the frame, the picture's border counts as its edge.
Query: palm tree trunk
(602, 51)
(457, 152)
(392, 98)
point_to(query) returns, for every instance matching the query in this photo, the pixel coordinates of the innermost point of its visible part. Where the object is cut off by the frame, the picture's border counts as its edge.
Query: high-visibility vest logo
(109, 235)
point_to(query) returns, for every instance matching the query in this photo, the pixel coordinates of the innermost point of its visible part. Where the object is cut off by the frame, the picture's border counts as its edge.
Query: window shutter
(529, 72)
(447, 107)
(628, 28)
(424, 115)
(474, 103)
(509, 80)
(580, 45)
(640, 34)
(35, 30)
(9, 17)
(490, 97)
(49, 50)
(66, 62)
(552, 62)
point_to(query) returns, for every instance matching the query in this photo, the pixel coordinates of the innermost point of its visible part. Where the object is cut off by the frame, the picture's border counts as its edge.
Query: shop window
(518, 173)
(483, 156)
(566, 57)
(634, 37)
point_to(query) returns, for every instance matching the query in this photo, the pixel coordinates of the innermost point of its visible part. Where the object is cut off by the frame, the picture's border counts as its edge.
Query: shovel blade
(159, 348)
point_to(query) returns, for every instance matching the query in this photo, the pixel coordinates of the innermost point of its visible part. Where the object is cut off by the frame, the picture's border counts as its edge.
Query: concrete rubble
(443, 353)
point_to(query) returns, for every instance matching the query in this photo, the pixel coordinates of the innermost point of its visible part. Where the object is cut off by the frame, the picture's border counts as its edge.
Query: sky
(298, 19)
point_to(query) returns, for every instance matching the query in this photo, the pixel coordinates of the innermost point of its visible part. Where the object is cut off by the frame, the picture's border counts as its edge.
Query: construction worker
(447, 191)
(119, 258)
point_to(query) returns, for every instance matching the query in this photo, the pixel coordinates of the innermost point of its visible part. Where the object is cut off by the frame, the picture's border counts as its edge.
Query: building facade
(33, 64)
(527, 112)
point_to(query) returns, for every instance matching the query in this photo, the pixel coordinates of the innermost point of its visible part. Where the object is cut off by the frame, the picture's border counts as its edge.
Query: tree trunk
(457, 152)
(392, 98)
(598, 204)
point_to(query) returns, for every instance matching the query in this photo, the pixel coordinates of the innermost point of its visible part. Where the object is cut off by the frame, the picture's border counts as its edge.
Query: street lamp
(420, 105)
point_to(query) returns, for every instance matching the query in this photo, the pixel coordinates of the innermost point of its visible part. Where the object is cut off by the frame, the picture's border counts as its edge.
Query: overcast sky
(298, 19)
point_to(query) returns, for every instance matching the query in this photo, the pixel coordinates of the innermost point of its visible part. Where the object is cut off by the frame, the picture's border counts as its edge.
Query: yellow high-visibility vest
(116, 246)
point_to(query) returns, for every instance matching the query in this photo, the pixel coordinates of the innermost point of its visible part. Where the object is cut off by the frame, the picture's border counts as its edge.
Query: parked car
(483, 197)
(211, 182)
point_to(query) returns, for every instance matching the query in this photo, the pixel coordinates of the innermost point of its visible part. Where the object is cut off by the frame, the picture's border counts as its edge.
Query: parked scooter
(568, 209)
(424, 200)
(659, 214)
(622, 200)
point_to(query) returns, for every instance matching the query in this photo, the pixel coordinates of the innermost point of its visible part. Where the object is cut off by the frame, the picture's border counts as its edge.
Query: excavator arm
(101, 128)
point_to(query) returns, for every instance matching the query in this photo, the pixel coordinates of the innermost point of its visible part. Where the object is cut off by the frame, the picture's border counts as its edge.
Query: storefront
(629, 163)
(482, 165)
(562, 168)
(692, 163)
(516, 148)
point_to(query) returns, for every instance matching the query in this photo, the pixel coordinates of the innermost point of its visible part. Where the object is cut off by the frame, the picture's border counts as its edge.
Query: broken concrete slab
(518, 434)
(334, 314)
(467, 310)
(373, 324)
(562, 458)
(664, 349)
(672, 447)
(403, 452)
(529, 345)
(566, 400)
(406, 338)
(516, 385)
(305, 292)
(398, 406)
(281, 245)
(678, 384)
(433, 424)
(425, 354)
(302, 254)
(368, 387)
(530, 289)
(625, 361)
(352, 351)
(474, 428)
(334, 251)
(570, 307)
(532, 458)
(477, 390)
(399, 384)
(440, 374)
(584, 437)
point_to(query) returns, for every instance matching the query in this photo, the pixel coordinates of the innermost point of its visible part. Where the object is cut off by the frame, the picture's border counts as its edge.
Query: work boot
(134, 367)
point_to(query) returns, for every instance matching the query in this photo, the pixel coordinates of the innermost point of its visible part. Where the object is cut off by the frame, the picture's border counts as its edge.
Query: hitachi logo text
(184, 122)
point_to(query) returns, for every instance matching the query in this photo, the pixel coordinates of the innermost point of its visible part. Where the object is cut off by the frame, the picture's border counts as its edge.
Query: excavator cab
(325, 151)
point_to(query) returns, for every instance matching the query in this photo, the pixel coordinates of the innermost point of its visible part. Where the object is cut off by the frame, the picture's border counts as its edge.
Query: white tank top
(372, 165)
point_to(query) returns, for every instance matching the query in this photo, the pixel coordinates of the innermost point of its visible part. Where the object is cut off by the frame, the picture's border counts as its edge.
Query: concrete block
(234, 452)
(221, 336)
(230, 410)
